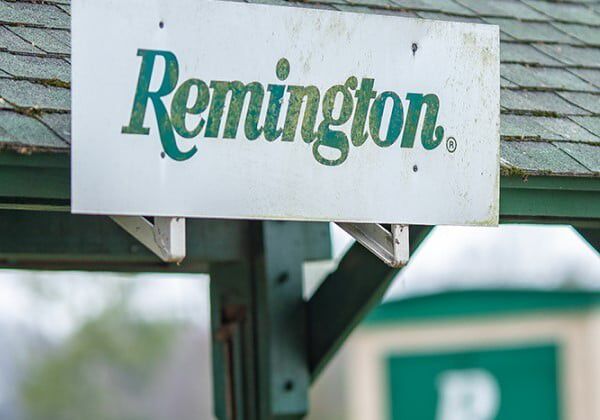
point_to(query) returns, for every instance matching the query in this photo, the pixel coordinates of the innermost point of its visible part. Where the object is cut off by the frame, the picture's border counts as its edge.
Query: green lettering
(239, 92)
(179, 107)
(363, 97)
(143, 95)
(396, 119)
(412, 121)
(298, 94)
(330, 138)
(272, 132)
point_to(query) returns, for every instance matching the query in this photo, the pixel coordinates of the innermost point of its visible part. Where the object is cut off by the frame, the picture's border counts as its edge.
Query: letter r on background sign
(471, 394)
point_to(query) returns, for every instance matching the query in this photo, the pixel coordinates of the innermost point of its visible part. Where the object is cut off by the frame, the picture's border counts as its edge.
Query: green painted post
(259, 328)
(233, 341)
(346, 296)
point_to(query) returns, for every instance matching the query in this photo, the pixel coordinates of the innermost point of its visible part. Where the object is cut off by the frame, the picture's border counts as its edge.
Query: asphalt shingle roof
(550, 68)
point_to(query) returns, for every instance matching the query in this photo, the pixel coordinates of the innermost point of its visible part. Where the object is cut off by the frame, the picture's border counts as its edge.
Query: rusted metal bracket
(164, 236)
(390, 246)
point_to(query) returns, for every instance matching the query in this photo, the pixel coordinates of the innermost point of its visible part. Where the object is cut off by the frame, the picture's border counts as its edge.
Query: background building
(495, 354)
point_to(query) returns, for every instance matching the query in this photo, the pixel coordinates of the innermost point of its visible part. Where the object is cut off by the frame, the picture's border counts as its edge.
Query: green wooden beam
(550, 200)
(346, 296)
(59, 240)
(38, 181)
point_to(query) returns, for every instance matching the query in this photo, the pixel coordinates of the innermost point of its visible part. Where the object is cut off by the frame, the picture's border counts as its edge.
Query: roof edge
(481, 303)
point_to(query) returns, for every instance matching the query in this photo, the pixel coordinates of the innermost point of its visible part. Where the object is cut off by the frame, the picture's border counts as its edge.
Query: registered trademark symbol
(451, 144)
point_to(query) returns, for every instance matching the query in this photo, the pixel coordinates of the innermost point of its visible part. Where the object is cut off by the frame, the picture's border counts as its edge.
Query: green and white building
(494, 354)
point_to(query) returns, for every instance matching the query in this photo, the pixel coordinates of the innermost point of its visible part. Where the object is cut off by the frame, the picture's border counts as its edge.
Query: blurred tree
(102, 371)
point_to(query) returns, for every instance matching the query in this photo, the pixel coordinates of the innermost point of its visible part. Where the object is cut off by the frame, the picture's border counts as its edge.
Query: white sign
(200, 108)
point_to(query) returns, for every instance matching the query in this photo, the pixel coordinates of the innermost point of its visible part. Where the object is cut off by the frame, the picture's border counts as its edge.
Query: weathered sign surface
(215, 109)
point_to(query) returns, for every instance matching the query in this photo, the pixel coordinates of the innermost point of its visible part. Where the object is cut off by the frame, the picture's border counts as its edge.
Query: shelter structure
(269, 342)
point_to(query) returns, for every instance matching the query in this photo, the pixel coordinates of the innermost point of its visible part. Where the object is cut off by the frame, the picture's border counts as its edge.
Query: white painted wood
(392, 247)
(165, 238)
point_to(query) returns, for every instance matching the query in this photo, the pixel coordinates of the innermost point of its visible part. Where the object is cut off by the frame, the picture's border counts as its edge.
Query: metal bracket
(165, 237)
(389, 246)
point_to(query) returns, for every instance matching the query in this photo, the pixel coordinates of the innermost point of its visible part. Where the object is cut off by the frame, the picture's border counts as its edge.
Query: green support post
(346, 296)
(232, 319)
(259, 328)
